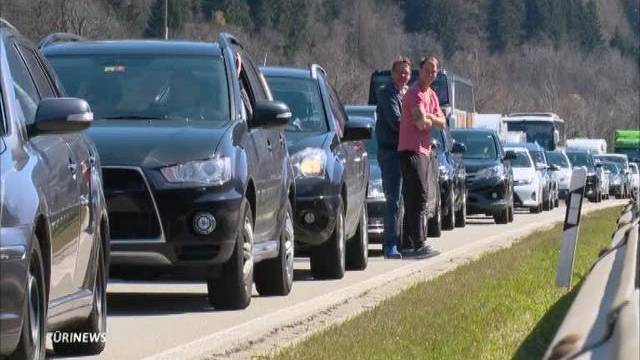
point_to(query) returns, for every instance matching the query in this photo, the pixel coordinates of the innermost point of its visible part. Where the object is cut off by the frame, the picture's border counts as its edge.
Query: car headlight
(214, 171)
(375, 190)
(494, 171)
(309, 162)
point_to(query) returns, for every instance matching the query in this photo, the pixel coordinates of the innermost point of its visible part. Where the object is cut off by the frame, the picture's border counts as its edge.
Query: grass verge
(504, 305)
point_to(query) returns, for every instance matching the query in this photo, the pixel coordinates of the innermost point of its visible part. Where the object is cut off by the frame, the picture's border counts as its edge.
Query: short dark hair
(431, 59)
(401, 60)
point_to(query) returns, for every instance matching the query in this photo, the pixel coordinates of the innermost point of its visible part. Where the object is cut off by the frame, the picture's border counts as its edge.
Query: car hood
(299, 141)
(154, 143)
(475, 165)
(520, 173)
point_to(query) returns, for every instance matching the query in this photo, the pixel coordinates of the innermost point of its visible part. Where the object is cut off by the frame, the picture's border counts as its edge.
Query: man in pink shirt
(420, 113)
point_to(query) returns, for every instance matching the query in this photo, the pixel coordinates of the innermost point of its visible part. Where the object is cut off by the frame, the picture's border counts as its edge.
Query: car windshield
(148, 86)
(616, 159)
(634, 169)
(613, 168)
(480, 145)
(580, 159)
(557, 159)
(521, 160)
(303, 98)
(538, 157)
(537, 131)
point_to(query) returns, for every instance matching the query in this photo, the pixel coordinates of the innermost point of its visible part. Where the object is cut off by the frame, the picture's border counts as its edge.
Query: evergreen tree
(415, 15)
(331, 9)
(237, 12)
(262, 12)
(180, 12)
(504, 25)
(590, 35)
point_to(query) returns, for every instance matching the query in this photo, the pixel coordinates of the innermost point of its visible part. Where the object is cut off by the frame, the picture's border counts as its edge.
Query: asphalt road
(148, 318)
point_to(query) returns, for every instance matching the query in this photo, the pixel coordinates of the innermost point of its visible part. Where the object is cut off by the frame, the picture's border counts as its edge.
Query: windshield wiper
(132, 117)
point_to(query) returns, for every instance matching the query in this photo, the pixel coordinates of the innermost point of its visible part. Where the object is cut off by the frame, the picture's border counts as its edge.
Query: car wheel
(95, 325)
(449, 221)
(328, 260)
(275, 276)
(358, 245)
(232, 290)
(32, 338)
(461, 215)
(510, 211)
(502, 217)
(434, 224)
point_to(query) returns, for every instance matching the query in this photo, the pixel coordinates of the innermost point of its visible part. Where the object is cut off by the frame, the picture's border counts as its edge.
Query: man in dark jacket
(388, 111)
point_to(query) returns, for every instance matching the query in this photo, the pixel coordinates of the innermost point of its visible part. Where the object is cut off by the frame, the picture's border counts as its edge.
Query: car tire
(546, 204)
(232, 291)
(328, 260)
(434, 224)
(96, 324)
(510, 211)
(449, 221)
(502, 217)
(461, 215)
(358, 245)
(274, 277)
(32, 344)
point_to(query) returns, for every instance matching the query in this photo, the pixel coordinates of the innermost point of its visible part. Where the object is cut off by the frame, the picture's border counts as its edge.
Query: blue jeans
(391, 183)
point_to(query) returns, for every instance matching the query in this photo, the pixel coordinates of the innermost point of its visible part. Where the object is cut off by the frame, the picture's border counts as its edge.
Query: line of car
(187, 161)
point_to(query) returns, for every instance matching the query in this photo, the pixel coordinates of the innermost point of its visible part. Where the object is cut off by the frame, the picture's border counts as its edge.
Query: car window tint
(305, 102)
(253, 77)
(25, 90)
(521, 160)
(37, 73)
(3, 123)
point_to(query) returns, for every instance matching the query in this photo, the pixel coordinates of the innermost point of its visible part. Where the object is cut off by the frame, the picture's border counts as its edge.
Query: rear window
(580, 159)
(148, 86)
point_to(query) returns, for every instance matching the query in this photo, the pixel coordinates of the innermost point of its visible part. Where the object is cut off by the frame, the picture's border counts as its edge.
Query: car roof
(293, 72)
(134, 47)
(478, 130)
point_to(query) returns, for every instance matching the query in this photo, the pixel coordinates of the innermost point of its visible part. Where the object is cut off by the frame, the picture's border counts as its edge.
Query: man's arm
(420, 119)
(437, 120)
(390, 109)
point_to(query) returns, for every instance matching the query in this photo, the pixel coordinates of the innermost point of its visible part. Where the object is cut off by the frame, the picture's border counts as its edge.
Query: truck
(596, 146)
(627, 141)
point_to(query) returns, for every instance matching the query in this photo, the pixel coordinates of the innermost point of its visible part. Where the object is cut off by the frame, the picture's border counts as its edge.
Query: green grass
(504, 305)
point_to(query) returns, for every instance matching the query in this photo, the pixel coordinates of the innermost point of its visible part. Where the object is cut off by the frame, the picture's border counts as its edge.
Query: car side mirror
(509, 155)
(270, 114)
(458, 148)
(357, 128)
(553, 167)
(61, 115)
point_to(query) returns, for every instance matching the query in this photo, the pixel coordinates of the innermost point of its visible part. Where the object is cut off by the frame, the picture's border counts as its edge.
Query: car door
(58, 179)
(351, 160)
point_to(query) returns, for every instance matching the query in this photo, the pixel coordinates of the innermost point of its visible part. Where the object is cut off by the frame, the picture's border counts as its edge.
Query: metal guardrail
(604, 319)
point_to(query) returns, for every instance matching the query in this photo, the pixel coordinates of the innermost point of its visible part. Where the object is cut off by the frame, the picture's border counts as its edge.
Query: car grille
(131, 208)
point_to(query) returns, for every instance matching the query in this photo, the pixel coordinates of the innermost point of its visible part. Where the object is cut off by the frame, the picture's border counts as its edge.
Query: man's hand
(420, 119)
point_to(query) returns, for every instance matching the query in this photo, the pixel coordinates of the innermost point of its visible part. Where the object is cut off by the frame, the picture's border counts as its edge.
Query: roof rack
(6, 23)
(544, 114)
(315, 69)
(59, 37)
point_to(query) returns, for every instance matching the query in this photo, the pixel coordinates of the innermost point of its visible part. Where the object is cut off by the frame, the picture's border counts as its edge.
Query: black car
(196, 170)
(489, 174)
(331, 168)
(452, 179)
(54, 228)
(584, 158)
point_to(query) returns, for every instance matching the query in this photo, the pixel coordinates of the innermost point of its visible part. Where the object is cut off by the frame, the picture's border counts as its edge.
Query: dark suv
(489, 174)
(196, 170)
(53, 220)
(332, 171)
(453, 187)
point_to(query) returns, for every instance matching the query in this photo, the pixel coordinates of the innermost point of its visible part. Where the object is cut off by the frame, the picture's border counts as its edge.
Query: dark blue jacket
(388, 111)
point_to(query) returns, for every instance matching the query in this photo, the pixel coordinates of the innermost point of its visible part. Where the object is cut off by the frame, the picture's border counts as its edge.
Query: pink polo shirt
(410, 138)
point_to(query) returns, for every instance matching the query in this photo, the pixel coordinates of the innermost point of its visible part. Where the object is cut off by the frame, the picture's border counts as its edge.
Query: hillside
(522, 55)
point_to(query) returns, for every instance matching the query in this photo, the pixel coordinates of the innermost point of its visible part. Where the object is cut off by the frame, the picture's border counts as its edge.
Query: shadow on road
(149, 304)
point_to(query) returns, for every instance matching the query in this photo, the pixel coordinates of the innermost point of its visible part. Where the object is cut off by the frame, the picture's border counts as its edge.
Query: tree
(590, 34)
(504, 25)
(180, 12)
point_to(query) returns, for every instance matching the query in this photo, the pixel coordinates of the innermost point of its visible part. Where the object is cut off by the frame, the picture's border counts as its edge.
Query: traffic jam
(142, 160)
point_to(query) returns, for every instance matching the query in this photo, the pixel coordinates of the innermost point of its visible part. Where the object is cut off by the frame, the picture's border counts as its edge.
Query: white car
(564, 172)
(527, 184)
(616, 177)
(635, 177)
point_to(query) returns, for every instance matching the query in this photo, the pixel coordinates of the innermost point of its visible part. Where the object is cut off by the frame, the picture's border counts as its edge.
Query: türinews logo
(77, 337)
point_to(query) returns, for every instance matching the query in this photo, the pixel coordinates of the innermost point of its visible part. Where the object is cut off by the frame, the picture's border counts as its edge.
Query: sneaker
(425, 251)
(392, 253)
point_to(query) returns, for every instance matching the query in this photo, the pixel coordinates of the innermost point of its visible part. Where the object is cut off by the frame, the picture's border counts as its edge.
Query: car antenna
(265, 58)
